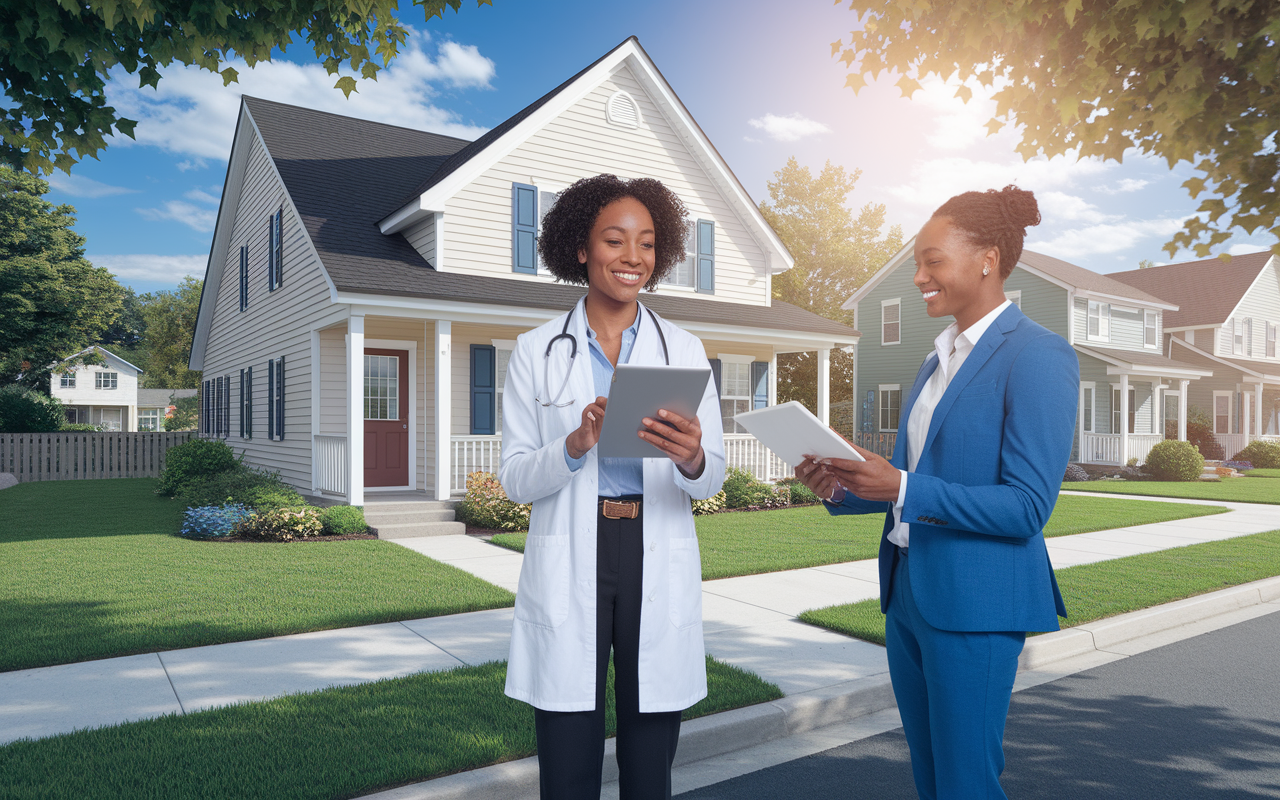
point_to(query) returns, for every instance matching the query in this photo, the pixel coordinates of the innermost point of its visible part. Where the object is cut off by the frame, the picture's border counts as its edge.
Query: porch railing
(1233, 443)
(881, 444)
(473, 454)
(330, 454)
(1104, 448)
(744, 451)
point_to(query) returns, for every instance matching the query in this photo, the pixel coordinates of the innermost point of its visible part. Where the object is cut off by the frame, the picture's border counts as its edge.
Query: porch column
(1257, 411)
(355, 410)
(1182, 410)
(1124, 419)
(824, 385)
(444, 409)
(773, 379)
(1157, 407)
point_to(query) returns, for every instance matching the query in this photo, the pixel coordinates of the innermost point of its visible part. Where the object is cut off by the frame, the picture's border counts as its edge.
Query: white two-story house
(107, 395)
(366, 282)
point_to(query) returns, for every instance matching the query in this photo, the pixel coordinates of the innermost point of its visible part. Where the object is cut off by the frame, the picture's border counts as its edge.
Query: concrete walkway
(748, 621)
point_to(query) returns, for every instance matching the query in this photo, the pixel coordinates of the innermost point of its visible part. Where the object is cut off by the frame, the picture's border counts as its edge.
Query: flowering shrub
(213, 522)
(282, 524)
(711, 505)
(1238, 466)
(486, 505)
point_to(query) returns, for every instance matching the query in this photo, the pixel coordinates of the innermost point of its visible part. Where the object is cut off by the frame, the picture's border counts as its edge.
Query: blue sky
(760, 81)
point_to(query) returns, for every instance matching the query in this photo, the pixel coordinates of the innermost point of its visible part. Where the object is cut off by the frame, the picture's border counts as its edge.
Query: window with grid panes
(501, 359)
(735, 393)
(106, 380)
(149, 419)
(67, 380)
(891, 321)
(382, 387)
(684, 273)
(890, 407)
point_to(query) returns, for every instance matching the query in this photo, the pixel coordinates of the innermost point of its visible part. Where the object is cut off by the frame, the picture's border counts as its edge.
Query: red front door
(386, 417)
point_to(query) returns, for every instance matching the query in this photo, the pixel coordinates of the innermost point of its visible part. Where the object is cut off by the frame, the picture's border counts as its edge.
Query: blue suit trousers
(953, 690)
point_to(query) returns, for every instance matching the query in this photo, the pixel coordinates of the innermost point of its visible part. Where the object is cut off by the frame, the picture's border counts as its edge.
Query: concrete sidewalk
(749, 621)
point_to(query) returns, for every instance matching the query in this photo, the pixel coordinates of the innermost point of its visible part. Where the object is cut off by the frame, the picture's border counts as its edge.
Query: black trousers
(571, 743)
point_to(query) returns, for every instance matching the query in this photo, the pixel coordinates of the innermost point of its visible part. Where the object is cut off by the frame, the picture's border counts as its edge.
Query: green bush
(195, 459)
(486, 505)
(78, 427)
(343, 520)
(1172, 460)
(24, 410)
(282, 524)
(799, 493)
(711, 505)
(1262, 455)
(255, 488)
(742, 490)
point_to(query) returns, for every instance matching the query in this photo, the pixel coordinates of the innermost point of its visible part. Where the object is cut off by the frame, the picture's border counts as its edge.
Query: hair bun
(1019, 206)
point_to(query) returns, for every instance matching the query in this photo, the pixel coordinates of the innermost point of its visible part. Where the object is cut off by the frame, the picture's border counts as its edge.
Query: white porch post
(824, 385)
(1257, 410)
(444, 409)
(355, 410)
(1157, 407)
(773, 379)
(1182, 410)
(1124, 419)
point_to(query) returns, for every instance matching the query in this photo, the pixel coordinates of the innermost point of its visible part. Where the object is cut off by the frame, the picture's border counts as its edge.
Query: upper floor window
(682, 274)
(1271, 339)
(67, 380)
(275, 251)
(106, 380)
(1149, 322)
(244, 278)
(1099, 325)
(1237, 336)
(891, 323)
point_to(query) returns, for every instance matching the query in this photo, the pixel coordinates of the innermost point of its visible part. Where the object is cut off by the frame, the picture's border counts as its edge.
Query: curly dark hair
(567, 226)
(996, 219)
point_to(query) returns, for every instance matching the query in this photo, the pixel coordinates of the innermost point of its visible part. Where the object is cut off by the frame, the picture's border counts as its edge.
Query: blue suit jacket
(986, 483)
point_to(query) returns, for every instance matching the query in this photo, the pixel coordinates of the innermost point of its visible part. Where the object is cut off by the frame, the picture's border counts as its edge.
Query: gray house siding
(1261, 305)
(1127, 327)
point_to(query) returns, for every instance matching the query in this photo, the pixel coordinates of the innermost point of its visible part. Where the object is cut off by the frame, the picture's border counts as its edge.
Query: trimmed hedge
(1262, 455)
(1172, 460)
(255, 488)
(343, 520)
(190, 461)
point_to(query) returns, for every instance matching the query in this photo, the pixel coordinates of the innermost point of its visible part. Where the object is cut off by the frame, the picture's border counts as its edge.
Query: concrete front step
(378, 517)
(372, 504)
(408, 530)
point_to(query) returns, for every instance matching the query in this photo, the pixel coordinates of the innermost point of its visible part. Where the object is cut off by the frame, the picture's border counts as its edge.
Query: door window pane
(382, 387)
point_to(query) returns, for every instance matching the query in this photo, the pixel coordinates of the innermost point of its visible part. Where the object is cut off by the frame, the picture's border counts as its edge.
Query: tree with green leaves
(56, 57)
(53, 302)
(1189, 82)
(170, 325)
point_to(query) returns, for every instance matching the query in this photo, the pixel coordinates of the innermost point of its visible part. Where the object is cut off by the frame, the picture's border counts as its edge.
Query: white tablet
(638, 392)
(792, 432)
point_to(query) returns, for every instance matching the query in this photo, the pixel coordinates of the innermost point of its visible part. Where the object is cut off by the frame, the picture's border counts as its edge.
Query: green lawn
(1231, 490)
(90, 569)
(749, 543)
(1108, 588)
(335, 743)
(1263, 473)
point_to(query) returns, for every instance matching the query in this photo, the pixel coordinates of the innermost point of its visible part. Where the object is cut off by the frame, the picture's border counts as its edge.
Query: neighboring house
(107, 395)
(1129, 389)
(367, 282)
(1228, 321)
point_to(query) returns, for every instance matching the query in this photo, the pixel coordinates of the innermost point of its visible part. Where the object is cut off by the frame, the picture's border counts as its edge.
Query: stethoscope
(573, 353)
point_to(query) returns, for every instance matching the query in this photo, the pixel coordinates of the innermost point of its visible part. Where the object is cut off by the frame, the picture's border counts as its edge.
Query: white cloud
(934, 181)
(1060, 206)
(202, 219)
(191, 113)
(953, 123)
(792, 128)
(1125, 185)
(1113, 237)
(201, 196)
(80, 186)
(163, 269)
(1245, 248)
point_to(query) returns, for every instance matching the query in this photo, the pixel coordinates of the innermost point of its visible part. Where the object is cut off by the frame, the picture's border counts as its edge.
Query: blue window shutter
(706, 256)
(241, 404)
(271, 253)
(244, 278)
(759, 384)
(280, 398)
(715, 373)
(271, 399)
(524, 228)
(278, 245)
(248, 403)
(484, 387)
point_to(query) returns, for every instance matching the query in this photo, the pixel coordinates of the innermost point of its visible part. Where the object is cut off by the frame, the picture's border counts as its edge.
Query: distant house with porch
(107, 396)
(1129, 387)
(1227, 321)
(366, 282)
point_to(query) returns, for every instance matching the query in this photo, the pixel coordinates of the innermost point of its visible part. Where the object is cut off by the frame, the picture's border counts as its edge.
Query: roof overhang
(630, 54)
(1117, 364)
(107, 354)
(1261, 377)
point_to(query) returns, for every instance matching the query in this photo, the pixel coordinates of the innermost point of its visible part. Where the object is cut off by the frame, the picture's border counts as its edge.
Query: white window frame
(1150, 323)
(150, 415)
(1237, 337)
(1273, 331)
(884, 304)
(102, 378)
(393, 397)
(1115, 409)
(883, 392)
(738, 361)
(690, 260)
(1014, 297)
(499, 377)
(1089, 390)
(1104, 321)
(67, 380)
(1231, 411)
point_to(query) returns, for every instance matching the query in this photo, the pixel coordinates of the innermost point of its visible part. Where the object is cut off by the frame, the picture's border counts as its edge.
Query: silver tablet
(638, 392)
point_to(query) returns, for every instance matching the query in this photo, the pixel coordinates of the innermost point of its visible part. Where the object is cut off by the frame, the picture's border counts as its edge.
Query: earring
(986, 270)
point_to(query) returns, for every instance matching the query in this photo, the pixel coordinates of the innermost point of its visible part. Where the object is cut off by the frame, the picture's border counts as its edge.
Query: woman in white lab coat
(611, 560)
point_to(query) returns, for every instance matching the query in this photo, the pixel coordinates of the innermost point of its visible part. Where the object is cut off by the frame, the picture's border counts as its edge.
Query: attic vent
(622, 110)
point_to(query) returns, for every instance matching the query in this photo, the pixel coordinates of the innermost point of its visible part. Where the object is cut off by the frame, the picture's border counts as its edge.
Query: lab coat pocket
(542, 597)
(684, 583)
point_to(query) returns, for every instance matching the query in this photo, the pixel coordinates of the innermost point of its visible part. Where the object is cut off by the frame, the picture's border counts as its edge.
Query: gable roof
(105, 352)
(1267, 372)
(1206, 291)
(1145, 362)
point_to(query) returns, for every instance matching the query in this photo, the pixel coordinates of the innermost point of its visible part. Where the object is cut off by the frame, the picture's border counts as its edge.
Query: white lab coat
(553, 639)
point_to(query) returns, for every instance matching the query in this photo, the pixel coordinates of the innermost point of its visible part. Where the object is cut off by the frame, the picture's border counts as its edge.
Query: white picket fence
(83, 455)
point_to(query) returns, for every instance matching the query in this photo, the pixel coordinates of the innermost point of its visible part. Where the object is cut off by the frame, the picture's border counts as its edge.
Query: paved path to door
(748, 621)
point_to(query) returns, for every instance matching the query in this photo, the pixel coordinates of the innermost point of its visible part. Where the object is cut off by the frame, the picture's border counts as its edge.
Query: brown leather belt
(620, 509)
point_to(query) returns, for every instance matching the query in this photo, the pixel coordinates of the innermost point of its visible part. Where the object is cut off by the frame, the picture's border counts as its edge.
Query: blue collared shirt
(618, 476)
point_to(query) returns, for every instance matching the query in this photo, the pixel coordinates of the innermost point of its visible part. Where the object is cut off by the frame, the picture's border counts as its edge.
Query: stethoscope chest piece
(554, 402)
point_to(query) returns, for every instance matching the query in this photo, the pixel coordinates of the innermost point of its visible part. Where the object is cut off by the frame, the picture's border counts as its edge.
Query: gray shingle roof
(1138, 358)
(1088, 280)
(160, 397)
(1206, 291)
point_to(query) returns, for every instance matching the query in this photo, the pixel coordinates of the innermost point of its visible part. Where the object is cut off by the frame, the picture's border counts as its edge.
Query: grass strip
(333, 743)
(1107, 588)
(749, 543)
(1263, 473)
(1231, 490)
(91, 569)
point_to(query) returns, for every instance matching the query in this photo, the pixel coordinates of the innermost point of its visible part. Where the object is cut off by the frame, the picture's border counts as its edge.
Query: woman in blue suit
(984, 439)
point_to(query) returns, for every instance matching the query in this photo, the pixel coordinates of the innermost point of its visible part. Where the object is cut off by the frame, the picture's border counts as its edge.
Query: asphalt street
(1195, 720)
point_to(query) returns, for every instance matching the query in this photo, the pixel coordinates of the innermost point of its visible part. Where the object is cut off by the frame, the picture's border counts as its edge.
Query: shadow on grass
(85, 509)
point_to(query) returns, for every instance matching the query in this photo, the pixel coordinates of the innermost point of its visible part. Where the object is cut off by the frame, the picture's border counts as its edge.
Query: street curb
(730, 731)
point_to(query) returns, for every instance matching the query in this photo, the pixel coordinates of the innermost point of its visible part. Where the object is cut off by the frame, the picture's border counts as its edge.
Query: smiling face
(949, 273)
(620, 251)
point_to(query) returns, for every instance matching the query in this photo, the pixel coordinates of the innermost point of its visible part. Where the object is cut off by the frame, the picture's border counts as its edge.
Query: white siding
(1262, 305)
(84, 393)
(422, 235)
(580, 143)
